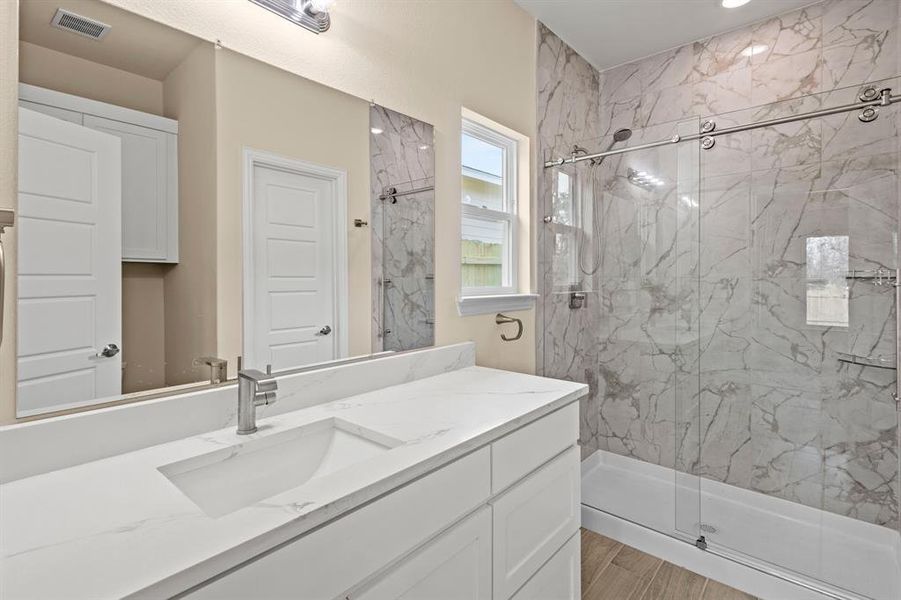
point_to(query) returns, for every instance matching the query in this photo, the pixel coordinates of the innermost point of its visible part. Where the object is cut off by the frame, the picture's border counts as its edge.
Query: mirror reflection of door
(69, 305)
(295, 272)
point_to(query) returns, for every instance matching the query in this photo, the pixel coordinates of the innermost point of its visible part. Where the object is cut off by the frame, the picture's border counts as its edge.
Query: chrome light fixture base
(300, 12)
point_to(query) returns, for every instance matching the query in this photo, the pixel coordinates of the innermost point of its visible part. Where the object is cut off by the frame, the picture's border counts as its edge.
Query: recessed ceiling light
(376, 130)
(755, 49)
(734, 3)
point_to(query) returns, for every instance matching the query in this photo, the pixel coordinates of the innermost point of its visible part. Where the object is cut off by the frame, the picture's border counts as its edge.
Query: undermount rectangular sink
(238, 476)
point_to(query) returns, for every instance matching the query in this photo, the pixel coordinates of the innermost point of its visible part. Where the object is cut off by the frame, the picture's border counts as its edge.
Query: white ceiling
(134, 44)
(611, 32)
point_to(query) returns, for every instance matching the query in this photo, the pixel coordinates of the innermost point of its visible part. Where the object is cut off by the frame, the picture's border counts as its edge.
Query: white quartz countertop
(118, 527)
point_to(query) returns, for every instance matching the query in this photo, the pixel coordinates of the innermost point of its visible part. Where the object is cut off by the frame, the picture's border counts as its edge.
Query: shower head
(621, 135)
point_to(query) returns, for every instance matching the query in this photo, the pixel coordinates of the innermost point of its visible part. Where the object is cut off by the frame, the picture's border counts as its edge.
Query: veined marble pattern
(702, 316)
(403, 232)
(568, 96)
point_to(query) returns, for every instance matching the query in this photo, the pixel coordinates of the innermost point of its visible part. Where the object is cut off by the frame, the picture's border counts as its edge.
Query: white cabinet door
(559, 578)
(149, 190)
(70, 300)
(533, 520)
(60, 113)
(456, 566)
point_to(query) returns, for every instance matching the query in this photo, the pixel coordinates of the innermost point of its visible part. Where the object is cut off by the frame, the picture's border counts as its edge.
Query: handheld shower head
(621, 135)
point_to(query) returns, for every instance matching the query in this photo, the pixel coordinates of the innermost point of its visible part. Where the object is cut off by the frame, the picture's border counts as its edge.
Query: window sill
(485, 305)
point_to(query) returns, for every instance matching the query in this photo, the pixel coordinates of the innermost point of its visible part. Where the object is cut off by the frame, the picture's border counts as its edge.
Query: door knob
(325, 330)
(108, 351)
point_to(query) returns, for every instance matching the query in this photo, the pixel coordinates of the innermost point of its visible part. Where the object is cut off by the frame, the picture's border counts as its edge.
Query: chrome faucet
(255, 388)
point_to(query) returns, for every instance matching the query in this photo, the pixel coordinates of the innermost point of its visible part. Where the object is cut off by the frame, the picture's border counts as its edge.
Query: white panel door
(70, 299)
(148, 165)
(294, 274)
(456, 566)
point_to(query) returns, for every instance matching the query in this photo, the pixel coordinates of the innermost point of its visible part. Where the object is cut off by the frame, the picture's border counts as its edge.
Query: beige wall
(143, 326)
(72, 75)
(190, 286)
(426, 59)
(264, 108)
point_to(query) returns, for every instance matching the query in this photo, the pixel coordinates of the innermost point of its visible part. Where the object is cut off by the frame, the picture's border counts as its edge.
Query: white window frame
(509, 215)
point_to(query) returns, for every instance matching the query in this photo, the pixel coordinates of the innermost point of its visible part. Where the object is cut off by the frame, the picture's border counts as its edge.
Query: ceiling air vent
(69, 21)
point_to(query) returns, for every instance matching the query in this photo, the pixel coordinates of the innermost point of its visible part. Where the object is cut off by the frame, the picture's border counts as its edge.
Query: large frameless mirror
(182, 215)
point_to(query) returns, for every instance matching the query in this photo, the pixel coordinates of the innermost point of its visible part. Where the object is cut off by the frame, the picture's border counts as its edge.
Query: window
(827, 287)
(567, 233)
(489, 228)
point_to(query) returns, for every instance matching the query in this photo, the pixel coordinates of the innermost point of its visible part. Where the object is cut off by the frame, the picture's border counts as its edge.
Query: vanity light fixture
(309, 14)
(734, 3)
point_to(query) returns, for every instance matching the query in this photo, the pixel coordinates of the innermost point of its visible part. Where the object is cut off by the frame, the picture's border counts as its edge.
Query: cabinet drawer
(533, 520)
(559, 578)
(456, 566)
(330, 560)
(526, 449)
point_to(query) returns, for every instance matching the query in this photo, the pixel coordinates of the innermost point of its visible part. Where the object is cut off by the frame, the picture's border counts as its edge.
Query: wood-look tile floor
(614, 571)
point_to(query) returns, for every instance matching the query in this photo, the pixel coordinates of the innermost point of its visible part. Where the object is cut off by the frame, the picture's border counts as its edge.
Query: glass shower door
(620, 313)
(798, 429)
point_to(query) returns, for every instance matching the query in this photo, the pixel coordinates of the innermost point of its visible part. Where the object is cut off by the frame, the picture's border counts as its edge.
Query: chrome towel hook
(502, 319)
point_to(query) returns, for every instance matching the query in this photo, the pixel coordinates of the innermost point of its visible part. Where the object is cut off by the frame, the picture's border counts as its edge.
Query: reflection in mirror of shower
(406, 302)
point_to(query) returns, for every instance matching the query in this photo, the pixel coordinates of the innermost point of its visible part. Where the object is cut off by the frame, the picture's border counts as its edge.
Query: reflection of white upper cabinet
(149, 168)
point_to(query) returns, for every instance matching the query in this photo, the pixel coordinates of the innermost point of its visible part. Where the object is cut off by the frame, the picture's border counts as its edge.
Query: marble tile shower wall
(776, 412)
(402, 156)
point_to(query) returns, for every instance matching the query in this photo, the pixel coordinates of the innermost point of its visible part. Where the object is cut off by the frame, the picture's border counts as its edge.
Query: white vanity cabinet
(501, 522)
(149, 168)
(456, 566)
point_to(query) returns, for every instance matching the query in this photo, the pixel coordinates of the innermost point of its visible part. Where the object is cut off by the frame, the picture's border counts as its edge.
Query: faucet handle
(254, 375)
(266, 397)
(268, 385)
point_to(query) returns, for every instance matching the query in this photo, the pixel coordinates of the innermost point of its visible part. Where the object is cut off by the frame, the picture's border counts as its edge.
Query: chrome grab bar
(867, 361)
(7, 219)
(391, 193)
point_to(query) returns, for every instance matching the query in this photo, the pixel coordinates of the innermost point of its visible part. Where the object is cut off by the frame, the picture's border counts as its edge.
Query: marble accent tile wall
(730, 275)
(403, 231)
(568, 96)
